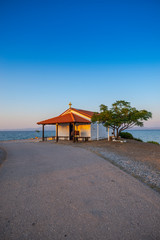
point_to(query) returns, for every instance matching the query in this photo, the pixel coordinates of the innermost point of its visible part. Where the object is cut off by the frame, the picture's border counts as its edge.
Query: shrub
(153, 142)
(126, 135)
(138, 139)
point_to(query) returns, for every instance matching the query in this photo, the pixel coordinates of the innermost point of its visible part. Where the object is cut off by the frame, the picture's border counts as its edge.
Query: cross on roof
(70, 104)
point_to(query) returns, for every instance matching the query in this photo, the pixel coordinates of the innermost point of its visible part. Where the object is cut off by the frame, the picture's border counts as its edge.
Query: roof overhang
(66, 118)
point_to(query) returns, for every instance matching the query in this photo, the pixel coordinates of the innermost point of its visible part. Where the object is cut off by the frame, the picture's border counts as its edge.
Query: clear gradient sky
(88, 52)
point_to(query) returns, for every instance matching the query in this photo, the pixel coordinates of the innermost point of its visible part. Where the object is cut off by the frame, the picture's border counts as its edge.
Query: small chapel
(75, 124)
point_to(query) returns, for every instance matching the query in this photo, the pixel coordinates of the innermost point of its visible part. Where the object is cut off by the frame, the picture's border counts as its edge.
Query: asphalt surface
(50, 191)
(3, 155)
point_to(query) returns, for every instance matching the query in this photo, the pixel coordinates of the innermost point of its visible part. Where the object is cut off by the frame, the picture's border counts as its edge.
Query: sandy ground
(141, 160)
(53, 191)
(144, 152)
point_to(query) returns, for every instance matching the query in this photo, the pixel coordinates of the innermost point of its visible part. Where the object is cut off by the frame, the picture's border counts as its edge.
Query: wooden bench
(85, 139)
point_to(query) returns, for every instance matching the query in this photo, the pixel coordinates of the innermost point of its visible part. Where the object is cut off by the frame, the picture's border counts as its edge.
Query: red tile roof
(66, 118)
(86, 113)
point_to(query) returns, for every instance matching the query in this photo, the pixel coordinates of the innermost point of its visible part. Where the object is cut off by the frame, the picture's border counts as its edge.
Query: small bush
(153, 142)
(138, 139)
(126, 135)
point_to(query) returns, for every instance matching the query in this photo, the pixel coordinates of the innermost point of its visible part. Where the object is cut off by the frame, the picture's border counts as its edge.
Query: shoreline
(137, 134)
(21, 140)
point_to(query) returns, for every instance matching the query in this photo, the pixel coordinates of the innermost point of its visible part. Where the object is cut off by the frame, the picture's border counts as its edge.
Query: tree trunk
(117, 133)
(113, 132)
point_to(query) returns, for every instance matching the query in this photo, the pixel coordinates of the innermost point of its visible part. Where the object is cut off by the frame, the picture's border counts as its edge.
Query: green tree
(121, 116)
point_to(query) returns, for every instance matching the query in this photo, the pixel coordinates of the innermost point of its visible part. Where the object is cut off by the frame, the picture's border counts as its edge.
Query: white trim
(97, 130)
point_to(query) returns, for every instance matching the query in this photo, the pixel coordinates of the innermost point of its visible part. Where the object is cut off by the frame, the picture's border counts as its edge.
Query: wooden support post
(43, 132)
(73, 132)
(56, 132)
(69, 131)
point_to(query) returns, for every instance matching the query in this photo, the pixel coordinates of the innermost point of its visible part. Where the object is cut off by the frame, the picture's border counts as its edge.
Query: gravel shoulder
(141, 160)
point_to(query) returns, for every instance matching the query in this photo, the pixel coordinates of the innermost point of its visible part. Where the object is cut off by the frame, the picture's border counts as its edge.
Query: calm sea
(145, 135)
(15, 135)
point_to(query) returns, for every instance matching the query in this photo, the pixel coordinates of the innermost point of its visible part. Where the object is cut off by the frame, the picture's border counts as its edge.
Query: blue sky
(86, 52)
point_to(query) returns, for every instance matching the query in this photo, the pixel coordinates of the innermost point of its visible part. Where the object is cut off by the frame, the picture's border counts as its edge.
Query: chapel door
(71, 131)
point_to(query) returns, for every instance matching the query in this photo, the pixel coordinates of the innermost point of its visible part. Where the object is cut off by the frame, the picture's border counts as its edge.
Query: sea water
(146, 135)
(15, 135)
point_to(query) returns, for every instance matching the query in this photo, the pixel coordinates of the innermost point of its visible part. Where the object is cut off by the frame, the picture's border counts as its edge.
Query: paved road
(50, 191)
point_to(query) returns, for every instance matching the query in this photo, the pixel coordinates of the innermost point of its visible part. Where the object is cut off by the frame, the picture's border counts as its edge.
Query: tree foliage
(121, 116)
